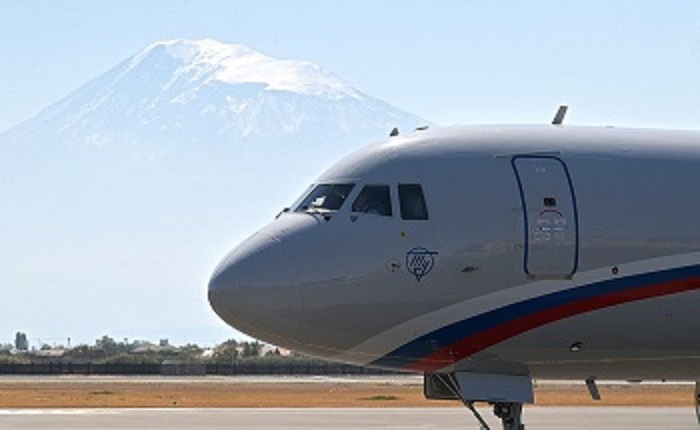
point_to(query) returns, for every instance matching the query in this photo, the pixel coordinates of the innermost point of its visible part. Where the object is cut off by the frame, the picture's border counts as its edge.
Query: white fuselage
(559, 252)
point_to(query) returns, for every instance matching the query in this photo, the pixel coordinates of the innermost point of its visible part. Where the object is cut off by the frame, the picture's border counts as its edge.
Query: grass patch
(102, 393)
(382, 397)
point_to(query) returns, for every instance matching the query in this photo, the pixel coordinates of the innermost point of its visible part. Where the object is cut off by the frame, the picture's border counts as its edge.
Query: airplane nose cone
(256, 290)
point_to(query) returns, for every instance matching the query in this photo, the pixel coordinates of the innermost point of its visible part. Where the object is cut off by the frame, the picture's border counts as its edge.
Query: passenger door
(550, 216)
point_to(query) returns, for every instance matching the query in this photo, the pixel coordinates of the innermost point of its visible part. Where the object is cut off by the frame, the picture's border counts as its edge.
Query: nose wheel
(510, 415)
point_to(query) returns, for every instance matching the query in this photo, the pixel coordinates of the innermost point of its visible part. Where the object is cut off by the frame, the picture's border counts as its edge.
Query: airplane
(485, 257)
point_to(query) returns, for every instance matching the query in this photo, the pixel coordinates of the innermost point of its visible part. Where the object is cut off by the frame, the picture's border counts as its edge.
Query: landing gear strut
(697, 401)
(506, 393)
(510, 415)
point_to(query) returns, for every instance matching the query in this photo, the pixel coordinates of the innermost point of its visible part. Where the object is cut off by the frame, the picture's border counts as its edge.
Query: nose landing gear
(510, 415)
(506, 393)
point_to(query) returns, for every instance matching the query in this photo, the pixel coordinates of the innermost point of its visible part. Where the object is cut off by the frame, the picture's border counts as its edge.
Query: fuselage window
(412, 202)
(325, 197)
(373, 199)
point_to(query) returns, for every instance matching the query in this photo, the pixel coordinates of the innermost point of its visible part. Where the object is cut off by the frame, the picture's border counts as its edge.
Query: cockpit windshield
(373, 199)
(325, 197)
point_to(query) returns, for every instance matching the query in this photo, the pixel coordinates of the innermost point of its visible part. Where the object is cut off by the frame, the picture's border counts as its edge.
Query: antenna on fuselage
(561, 113)
(394, 132)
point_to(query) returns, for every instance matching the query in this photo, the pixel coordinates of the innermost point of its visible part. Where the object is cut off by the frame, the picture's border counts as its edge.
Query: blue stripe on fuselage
(447, 335)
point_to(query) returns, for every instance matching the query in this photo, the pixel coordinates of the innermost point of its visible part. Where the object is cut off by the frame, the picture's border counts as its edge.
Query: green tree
(84, 352)
(15, 359)
(21, 342)
(190, 352)
(251, 349)
(226, 352)
(108, 345)
(274, 353)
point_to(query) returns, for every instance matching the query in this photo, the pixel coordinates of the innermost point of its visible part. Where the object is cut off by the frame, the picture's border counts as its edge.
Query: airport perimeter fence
(291, 368)
(72, 368)
(183, 369)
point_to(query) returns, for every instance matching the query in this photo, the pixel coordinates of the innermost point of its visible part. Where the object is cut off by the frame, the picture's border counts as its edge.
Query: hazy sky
(627, 63)
(615, 62)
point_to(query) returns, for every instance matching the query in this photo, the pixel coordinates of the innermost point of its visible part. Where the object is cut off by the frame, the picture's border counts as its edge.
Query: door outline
(526, 223)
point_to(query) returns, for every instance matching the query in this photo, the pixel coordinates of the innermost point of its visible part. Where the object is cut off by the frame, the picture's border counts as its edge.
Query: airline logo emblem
(420, 262)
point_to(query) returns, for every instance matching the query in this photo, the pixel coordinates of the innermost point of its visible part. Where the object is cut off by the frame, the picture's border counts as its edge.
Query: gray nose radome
(256, 290)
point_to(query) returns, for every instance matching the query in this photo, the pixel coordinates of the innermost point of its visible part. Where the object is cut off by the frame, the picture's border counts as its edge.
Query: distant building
(274, 350)
(49, 353)
(145, 347)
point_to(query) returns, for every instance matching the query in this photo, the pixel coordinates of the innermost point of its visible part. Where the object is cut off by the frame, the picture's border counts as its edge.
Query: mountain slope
(205, 92)
(120, 199)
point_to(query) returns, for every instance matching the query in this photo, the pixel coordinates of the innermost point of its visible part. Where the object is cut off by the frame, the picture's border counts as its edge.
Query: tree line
(107, 349)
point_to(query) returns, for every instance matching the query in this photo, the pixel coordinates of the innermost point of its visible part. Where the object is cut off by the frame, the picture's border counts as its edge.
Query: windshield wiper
(323, 212)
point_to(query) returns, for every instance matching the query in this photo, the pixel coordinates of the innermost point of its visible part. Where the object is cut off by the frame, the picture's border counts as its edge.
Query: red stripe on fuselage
(470, 345)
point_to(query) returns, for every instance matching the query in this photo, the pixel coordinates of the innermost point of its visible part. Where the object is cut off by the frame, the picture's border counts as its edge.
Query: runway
(548, 418)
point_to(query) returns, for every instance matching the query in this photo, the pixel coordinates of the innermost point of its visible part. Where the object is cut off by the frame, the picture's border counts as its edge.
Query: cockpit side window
(325, 197)
(373, 199)
(412, 202)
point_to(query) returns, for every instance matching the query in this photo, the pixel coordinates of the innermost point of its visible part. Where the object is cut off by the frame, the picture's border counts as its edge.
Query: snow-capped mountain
(126, 193)
(207, 92)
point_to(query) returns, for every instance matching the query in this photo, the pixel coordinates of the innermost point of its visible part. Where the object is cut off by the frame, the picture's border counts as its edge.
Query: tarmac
(546, 418)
